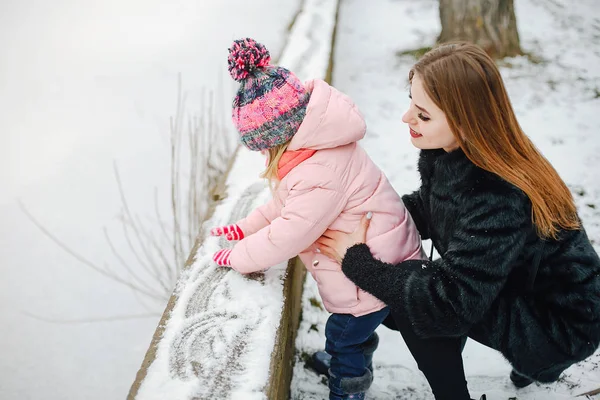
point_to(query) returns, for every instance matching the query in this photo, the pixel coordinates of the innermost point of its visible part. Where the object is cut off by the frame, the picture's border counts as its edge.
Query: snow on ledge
(220, 334)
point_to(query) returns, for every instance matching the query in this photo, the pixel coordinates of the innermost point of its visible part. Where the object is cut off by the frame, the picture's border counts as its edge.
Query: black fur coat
(484, 285)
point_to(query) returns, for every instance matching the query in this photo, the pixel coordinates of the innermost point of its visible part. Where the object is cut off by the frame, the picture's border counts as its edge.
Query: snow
(309, 48)
(220, 334)
(556, 102)
(84, 84)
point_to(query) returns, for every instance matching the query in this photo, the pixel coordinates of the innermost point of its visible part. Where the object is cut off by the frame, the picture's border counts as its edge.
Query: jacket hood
(332, 119)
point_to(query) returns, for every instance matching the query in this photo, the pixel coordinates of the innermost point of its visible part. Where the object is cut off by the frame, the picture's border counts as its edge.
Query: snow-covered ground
(557, 103)
(84, 84)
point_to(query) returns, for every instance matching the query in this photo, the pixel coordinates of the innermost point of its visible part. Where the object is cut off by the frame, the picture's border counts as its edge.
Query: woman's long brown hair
(463, 81)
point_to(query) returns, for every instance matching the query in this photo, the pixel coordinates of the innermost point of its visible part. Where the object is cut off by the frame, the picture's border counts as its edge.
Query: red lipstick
(414, 134)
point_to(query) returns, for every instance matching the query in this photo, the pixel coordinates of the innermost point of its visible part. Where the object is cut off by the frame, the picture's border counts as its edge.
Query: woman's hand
(334, 244)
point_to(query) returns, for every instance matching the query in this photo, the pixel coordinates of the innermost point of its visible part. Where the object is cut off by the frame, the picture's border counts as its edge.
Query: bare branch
(590, 393)
(82, 259)
(205, 159)
(132, 274)
(128, 216)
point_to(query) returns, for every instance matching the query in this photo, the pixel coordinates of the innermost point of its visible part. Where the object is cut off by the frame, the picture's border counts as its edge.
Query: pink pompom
(245, 57)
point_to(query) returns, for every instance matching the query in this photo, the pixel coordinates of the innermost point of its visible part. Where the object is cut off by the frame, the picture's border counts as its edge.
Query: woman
(517, 272)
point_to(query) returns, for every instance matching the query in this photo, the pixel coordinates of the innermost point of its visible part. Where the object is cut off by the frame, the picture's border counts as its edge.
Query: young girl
(322, 179)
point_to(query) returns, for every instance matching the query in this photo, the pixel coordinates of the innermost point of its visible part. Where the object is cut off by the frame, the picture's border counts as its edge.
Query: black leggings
(440, 359)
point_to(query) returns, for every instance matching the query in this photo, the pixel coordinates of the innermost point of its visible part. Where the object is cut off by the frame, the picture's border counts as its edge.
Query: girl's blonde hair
(464, 82)
(271, 173)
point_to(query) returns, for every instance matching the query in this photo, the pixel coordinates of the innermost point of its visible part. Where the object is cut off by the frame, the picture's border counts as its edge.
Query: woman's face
(428, 126)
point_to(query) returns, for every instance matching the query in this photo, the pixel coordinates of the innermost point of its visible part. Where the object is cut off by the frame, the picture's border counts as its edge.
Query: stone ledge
(280, 376)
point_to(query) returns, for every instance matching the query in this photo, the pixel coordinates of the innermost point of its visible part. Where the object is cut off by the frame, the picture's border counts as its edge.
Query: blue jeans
(349, 342)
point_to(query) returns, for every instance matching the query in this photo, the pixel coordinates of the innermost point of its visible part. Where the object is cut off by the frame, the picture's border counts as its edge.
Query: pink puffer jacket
(332, 189)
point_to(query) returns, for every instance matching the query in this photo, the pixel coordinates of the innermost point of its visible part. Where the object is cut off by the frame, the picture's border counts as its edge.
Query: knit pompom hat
(271, 101)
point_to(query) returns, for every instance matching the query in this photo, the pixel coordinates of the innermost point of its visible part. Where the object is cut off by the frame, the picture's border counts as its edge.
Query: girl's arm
(259, 218)
(314, 202)
(446, 297)
(414, 205)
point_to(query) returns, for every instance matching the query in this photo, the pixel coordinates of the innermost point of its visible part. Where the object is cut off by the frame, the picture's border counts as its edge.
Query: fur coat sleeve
(447, 296)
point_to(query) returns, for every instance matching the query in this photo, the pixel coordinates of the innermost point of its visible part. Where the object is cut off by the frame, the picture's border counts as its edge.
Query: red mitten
(231, 232)
(221, 257)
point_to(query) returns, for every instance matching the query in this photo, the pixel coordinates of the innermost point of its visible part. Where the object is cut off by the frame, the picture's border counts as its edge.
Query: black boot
(520, 381)
(319, 362)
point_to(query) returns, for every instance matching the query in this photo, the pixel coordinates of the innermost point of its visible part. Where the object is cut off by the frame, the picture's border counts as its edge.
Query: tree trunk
(490, 24)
